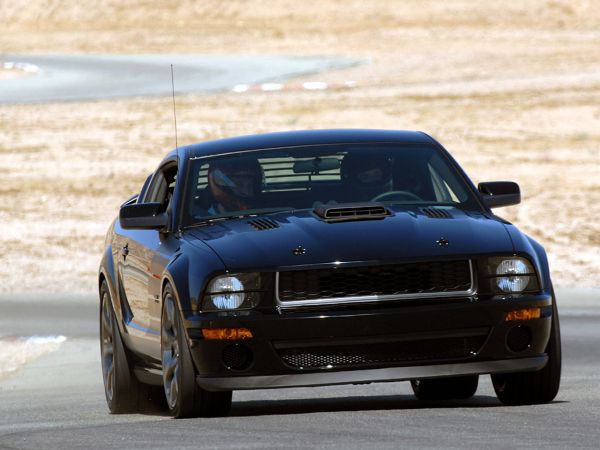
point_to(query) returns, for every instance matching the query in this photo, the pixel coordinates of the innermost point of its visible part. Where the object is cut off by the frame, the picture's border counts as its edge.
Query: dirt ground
(511, 89)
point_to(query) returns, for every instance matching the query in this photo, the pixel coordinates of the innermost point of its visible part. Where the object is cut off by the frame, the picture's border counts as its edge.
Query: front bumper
(326, 378)
(286, 344)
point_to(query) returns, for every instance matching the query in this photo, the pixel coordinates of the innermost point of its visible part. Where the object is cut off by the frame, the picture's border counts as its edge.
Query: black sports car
(318, 258)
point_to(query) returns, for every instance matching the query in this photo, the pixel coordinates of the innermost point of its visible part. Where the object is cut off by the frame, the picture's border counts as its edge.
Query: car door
(144, 255)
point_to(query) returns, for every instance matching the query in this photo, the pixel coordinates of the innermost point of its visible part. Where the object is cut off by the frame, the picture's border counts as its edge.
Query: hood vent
(351, 211)
(263, 224)
(435, 213)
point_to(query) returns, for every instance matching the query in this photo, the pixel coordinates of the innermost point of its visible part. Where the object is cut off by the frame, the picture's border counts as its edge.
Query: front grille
(386, 280)
(382, 353)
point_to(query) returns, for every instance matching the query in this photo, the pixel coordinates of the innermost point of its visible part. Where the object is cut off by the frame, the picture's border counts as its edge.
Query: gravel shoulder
(511, 90)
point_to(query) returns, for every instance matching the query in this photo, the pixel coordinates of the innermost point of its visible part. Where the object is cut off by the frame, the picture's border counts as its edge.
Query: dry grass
(512, 91)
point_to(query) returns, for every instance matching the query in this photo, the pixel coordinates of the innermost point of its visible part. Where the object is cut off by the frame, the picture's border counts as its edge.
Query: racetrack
(58, 78)
(58, 401)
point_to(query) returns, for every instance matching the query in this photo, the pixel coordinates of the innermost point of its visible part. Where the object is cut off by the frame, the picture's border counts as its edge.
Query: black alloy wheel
(184, 397)
(451, 388)
(107, 346)
(120, 387)
(170, 352)
(529, 388)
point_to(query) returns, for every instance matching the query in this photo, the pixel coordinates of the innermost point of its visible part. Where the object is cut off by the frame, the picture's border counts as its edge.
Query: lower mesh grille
(382, 353)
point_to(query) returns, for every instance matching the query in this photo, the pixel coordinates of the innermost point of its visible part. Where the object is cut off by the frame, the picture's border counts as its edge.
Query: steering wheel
(392, 194)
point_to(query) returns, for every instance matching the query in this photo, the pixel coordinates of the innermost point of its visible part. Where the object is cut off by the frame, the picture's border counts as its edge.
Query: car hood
(305, 239)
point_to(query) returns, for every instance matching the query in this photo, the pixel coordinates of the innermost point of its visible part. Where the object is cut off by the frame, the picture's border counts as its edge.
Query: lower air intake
(377, 354)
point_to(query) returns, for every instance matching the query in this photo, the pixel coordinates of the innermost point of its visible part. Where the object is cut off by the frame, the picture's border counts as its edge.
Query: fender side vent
(263, 224)
(351, 211)
(435, 213)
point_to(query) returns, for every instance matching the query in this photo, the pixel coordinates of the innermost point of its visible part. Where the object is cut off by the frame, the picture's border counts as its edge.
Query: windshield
(297, 178)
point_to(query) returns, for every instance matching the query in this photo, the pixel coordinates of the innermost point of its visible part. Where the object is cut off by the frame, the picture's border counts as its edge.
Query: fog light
(237, 357)
(227, 333)
(518, 338)
(523, 314)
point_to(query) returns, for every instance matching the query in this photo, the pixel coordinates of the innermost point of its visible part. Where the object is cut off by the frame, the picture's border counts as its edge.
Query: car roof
(301, 138)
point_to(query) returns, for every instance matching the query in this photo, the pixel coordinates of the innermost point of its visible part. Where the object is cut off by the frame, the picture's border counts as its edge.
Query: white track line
(306, 86)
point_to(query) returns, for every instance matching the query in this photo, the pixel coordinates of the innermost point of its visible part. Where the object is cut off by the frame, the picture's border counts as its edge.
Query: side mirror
(500, 193)
(144, 216)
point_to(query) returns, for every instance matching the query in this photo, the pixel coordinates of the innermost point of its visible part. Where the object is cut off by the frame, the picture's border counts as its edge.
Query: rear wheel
(528, 388)
(184, 397)
(445, 388)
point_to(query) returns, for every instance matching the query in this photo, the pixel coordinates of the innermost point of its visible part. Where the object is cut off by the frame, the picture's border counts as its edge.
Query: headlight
(512, 275)
(230, 292)
(515, 282)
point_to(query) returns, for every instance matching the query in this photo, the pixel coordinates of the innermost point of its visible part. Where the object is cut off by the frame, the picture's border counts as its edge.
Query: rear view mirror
(317, 165)
(143, 216)
(500, 193)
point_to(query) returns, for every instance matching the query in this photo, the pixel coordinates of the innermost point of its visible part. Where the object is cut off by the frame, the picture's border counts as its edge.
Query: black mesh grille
(393, 279)
(374, 354)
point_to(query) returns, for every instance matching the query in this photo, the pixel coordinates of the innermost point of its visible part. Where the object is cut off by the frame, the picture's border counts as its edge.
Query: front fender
(189, 271)
(108, 272)
(543, 263)
(524, 244)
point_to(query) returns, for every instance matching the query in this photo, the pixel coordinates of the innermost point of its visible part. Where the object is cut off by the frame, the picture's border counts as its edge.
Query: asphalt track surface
(57, 402)
(93, 77)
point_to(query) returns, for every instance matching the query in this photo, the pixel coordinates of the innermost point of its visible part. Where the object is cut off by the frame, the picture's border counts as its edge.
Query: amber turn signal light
(523, 314)
(227, 333)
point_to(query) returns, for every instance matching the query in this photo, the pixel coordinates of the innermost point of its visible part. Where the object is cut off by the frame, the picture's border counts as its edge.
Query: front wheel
(445, 388)
(120, 385)
(124, 393)
(184, 397)
(529, 388)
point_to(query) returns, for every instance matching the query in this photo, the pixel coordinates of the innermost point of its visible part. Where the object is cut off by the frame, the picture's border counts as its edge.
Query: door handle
(125, 251)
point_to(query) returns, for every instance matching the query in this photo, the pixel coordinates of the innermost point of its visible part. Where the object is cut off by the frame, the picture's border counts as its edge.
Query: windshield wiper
(252, 213)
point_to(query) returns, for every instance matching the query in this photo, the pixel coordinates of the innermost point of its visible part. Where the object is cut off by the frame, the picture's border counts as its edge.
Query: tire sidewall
(187, 389)
(124, 384)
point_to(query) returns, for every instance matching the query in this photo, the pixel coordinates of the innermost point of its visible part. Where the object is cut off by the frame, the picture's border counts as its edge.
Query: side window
(447, 188)
(142, 193)
(442, 194)
(162, 187)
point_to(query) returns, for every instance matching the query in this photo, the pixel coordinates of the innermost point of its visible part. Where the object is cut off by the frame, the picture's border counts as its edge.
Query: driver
(366, 175)
(233, 185)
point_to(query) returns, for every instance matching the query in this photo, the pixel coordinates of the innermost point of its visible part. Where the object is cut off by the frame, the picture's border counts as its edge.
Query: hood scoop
(351, 211)
(263, 224)
(435, 213)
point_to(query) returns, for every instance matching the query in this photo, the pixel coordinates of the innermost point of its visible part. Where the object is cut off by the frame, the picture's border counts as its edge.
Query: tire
(124, 393)
(530, 388)
(184, 397)
(120, 385)
(450, 388)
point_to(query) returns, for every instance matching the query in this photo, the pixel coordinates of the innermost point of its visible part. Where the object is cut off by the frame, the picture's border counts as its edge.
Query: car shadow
(355, 403)
(253, 408)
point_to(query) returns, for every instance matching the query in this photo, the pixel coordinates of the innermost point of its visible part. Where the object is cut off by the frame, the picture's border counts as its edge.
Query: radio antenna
(174, 112)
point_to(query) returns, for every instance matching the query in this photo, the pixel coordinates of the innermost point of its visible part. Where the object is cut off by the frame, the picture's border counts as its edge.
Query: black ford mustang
(318, 258)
